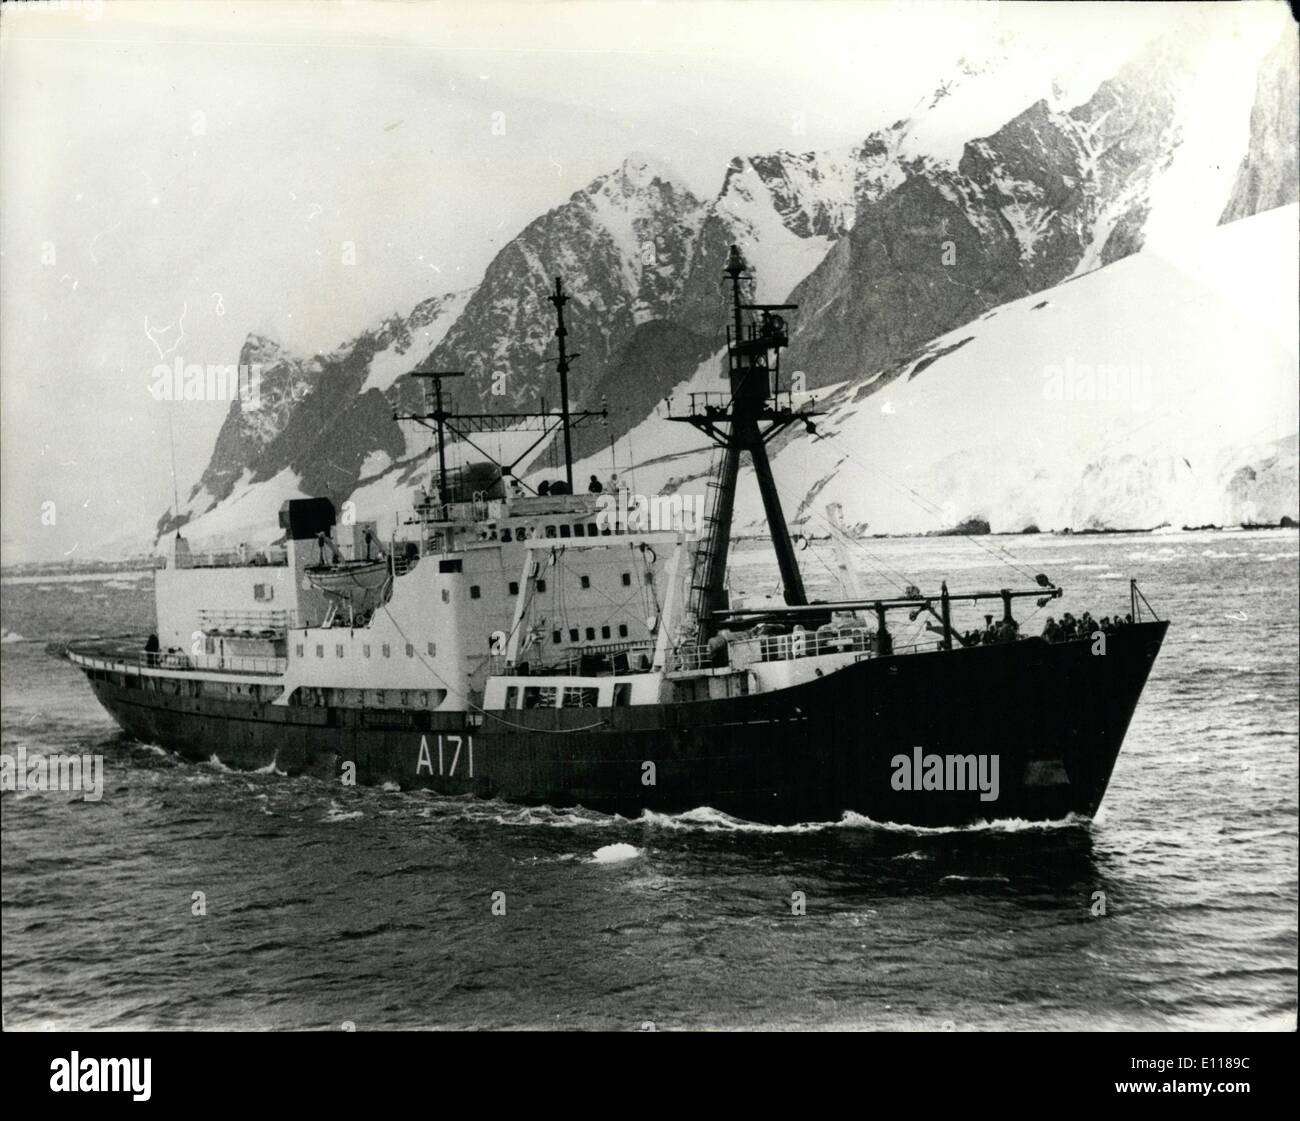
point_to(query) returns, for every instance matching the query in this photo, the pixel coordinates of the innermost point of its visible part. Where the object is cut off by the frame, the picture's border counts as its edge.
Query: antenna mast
(559, 299)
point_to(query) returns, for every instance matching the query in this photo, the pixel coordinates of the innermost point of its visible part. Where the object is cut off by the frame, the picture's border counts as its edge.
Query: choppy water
(326, 905)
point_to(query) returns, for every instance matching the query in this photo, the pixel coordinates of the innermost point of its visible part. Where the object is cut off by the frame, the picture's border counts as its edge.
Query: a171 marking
(425, 758)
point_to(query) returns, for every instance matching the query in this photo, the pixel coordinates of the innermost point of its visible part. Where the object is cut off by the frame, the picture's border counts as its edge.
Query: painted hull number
(450, 751)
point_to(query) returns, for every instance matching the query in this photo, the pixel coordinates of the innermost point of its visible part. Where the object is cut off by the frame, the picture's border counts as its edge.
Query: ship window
(387, 650)
(410, 650)
(604, 632)
(573, 634)
(338, 650)
(505, 535)
(297, 650)
(565, 531)
(433, 650)
(380, 697)
(474, 591)
(586, 581)
(541, 585)
(514, 587)
(622, 630)
(403, 699)
(580, 697)
(263, 592)
(591, 634)
(627, 579)
(579, 530)
(446, 596)
(365, 651)
(592, 529)
(606, 531)
(557, 637)
(622, 694)
(449, 566)
(422, 699)
(539, 696)
(320, 651)
(512, 696)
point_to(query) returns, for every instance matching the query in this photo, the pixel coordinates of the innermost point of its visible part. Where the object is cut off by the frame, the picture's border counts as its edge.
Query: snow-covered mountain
(1160, 388)
(1002, 184)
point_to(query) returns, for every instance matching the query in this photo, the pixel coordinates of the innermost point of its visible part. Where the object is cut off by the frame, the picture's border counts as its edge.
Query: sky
(174, 176)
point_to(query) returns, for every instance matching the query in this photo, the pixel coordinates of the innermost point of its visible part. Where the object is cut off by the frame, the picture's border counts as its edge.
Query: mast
(439, 416)
(559, 299)
(464, 426)
(752, 416)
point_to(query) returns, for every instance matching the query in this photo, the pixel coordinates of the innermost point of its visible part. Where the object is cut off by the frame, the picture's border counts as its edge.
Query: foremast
(745, 422)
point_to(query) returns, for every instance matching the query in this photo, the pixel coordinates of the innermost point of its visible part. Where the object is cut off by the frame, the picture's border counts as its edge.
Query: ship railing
(268, 558)
(744, 652)
(162, 660)
(251, 624)
(219, 663)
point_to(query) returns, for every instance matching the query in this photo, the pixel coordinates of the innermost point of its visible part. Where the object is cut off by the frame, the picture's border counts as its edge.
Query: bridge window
(557, 637)
(387, 650)
(586, 581)
(514, 587)
(592, 529)
(541, 585)
(433, 650)
(627, 579)
(402, 698)
(320, 651)
(338, 650)
(449, 566)
(622, 630)
(474, 591)
(579, 530)
(539, 696)
(550, 531)
(583, 696)
(573, 634)
(410, 650)
(505, 535)
(565, 531)
(604, 632)
(591, 634)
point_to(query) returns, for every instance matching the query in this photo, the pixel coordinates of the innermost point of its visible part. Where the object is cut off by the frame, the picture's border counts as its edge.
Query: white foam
(615, 854)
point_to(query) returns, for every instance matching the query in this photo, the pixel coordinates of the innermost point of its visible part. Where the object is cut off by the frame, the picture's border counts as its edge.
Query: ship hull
(1053, 716)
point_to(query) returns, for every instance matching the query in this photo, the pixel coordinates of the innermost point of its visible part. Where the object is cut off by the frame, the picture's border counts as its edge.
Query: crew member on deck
(594, 487)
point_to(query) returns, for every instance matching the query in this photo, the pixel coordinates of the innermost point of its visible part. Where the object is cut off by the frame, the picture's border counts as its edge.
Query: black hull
(1054, 715)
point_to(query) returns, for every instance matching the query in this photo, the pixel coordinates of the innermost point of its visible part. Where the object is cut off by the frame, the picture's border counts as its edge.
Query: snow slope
(1194, 420)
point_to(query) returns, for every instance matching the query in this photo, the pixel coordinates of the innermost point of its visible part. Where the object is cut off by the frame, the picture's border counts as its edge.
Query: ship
(568, 647)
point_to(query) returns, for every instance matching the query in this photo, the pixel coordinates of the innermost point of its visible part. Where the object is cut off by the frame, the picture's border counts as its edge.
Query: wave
(616, 854)
(338, 813)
